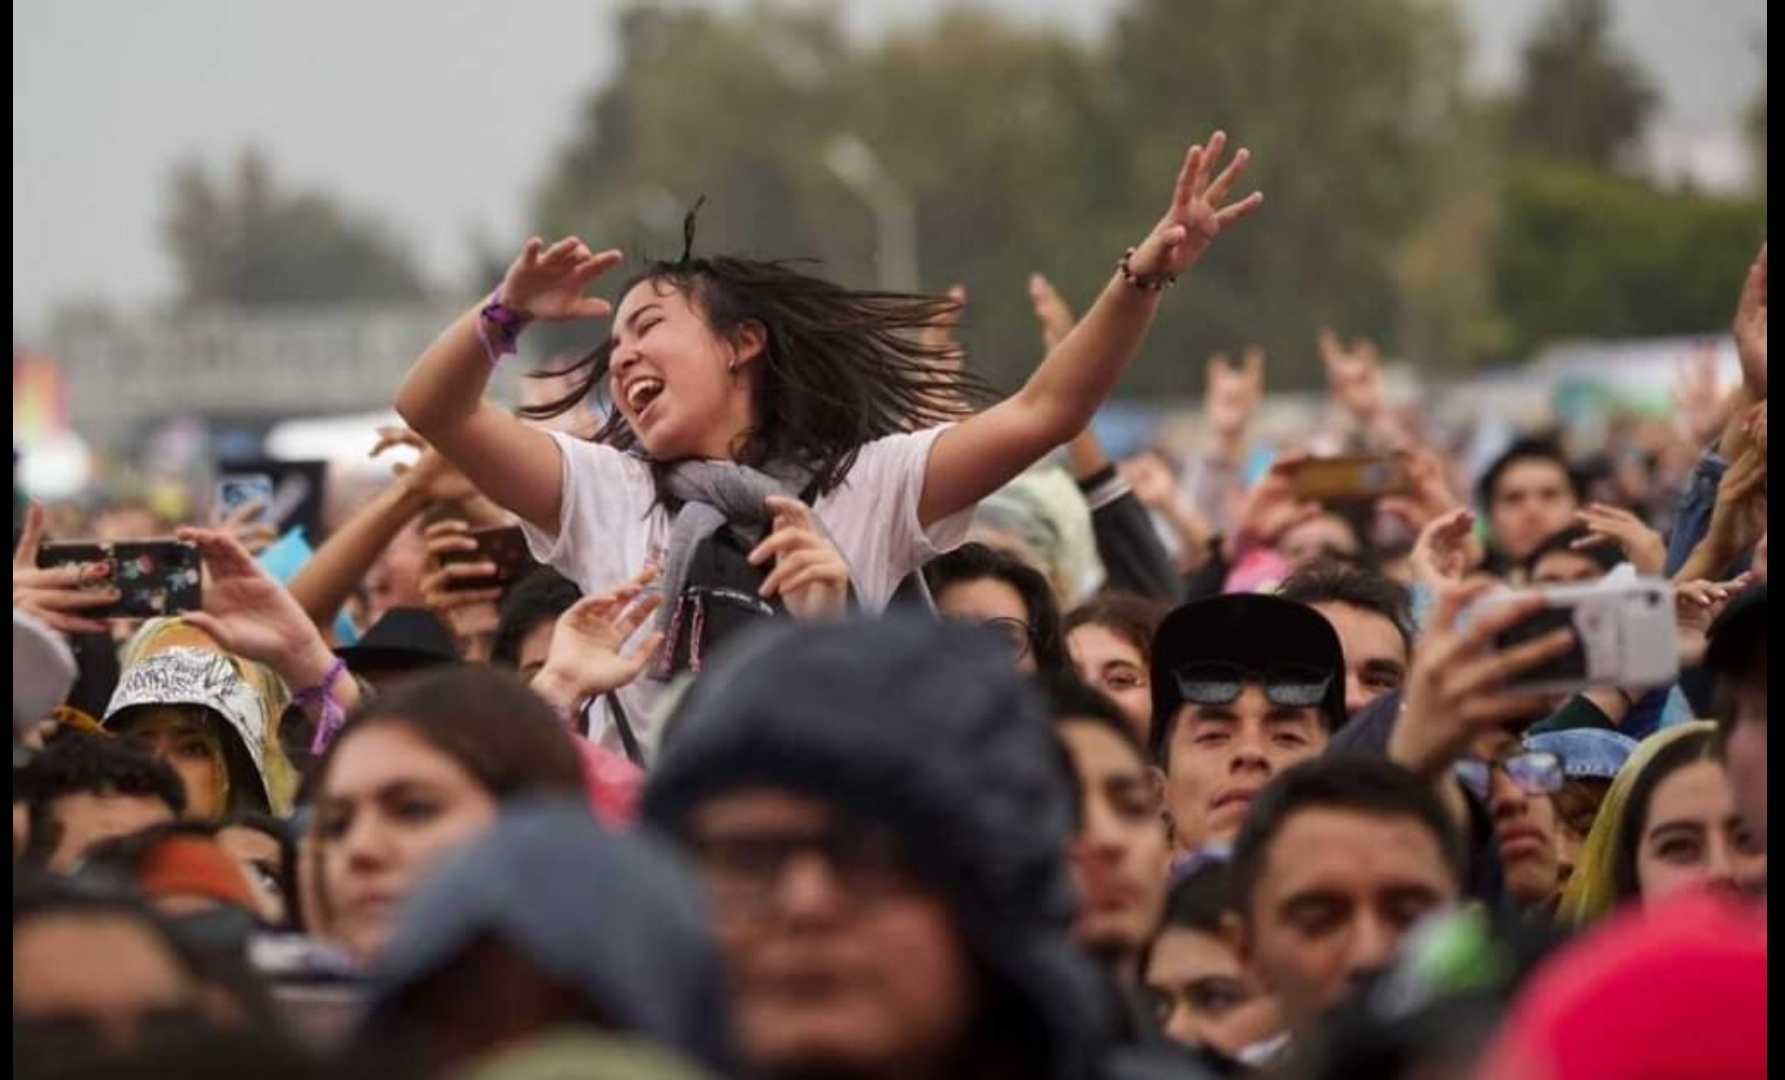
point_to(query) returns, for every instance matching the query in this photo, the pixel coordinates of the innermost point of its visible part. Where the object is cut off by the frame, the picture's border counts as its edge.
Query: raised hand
(56, 596)
(1353, 375)
(810, 574)
(1233, 397)
(1457, 687)
(1750, 326)
(1643, 547)
(1198, 212)
(1696, 605)
(549, 283)
(585, 659)
(432, 476)
(250, 614)
(1446, 550)
(1738, 520)
(438, 585)
(1271, 508)
(254, 535)
(1051, 311)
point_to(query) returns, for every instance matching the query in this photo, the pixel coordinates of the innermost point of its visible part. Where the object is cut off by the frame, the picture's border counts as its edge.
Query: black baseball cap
(1251, 631)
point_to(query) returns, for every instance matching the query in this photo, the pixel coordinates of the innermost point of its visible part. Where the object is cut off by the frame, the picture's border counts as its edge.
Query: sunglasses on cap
(1216, 682)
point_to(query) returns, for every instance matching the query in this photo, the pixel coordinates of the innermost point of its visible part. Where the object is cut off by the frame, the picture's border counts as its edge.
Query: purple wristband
(507, 320)
(329, 723)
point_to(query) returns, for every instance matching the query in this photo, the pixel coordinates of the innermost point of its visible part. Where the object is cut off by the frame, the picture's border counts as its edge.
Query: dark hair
(1197, 901)
(1329, 582)
(483, 718)
(977, 562)
(839, 367)
(1134, 619)
(1605, 556)
(1070, 700)
(1364, 785)
(1530, 449)
(1683, 751)
(540, 597)
(76, 763)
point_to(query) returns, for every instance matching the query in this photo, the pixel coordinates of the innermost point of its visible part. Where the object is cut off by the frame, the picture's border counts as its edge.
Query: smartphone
(1341, 479)
(503, 545)
(153, 577)
(1624, 634)
(236, 490)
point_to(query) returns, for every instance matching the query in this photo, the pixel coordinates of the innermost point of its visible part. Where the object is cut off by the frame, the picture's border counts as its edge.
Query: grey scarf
(714, 494)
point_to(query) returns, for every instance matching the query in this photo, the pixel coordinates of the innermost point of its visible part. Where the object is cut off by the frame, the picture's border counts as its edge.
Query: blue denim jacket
(1692, 517)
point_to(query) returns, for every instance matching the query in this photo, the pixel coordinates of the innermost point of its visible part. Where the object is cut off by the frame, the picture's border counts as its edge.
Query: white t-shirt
(611, 525)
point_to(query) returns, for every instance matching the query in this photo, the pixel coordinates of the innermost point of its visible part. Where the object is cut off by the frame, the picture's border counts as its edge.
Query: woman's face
(997, 605)
(670, 376)
(173, 735)
(391, 805)
(263, 864)
(1693, 836)
(1113, 664)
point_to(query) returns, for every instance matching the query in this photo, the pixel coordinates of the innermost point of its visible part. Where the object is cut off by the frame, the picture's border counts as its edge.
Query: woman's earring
(731, 368)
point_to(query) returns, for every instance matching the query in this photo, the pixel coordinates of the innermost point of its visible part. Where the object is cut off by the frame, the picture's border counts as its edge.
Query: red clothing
(613, 783)
(1672, 991)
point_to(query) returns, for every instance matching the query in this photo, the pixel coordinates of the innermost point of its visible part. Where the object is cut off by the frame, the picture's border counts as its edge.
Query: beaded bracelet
(1147, 282)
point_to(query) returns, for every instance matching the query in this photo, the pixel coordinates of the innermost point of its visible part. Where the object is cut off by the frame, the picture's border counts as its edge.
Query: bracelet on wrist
(1144, 282)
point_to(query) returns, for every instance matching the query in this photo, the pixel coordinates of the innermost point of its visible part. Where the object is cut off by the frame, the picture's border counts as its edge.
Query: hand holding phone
(237, 490)
(1624, 634)
(503, 547)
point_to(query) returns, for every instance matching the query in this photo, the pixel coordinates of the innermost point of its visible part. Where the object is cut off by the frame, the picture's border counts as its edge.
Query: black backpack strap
(628, 740)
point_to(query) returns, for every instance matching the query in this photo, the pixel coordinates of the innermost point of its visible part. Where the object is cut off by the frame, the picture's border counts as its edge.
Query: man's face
(1525, 829)
(1375, 653)
(1120, 853)
(1221, 755)
(1204, 996)
(838, 959)
(1532, 501)
(1338, 890)
(56, 961)
(83, 819)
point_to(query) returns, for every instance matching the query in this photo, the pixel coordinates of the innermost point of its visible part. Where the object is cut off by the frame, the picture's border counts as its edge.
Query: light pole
(895, 219)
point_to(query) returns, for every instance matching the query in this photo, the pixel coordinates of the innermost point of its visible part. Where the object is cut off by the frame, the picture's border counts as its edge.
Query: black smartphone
(153, 577)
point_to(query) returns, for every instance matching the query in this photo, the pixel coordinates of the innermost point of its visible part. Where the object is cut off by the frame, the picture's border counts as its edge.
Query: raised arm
(984, 452)
(442, 397)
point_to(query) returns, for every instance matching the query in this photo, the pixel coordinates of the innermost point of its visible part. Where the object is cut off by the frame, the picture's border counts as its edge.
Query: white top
(611, 525)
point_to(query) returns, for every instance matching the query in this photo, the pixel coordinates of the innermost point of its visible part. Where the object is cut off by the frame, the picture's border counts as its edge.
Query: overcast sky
(441, 114)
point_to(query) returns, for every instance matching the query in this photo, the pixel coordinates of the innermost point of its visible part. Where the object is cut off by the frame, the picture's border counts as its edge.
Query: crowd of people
(857, 722)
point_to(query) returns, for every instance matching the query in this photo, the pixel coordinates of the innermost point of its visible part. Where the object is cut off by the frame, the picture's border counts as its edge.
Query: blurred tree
(1581, 98)
(1349, 119)
(246, 242)
(1585, 253)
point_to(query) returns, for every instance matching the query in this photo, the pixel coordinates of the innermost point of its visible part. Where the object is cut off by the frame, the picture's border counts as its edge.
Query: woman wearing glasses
(980, 584)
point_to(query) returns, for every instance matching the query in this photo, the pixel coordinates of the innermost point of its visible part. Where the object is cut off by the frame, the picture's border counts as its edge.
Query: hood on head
(925, 728)
(622, 921)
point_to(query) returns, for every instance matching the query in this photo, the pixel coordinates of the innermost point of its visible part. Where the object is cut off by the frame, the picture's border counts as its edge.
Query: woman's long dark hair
(839, 367)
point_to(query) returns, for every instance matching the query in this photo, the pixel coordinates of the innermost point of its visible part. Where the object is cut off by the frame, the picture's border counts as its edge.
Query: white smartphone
(1624, 634)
